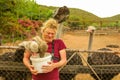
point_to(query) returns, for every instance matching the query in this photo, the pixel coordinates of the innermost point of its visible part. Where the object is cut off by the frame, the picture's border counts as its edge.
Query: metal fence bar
(92, 51)
(68, 60)
(72, 50)
(13, 66)
(90, 66)
(9, 47)
(86, 69)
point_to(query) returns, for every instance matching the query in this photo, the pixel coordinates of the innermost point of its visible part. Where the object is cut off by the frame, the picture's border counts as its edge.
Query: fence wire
(100, 65)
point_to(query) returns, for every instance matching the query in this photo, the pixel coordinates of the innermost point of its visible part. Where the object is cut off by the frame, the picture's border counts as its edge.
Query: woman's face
(49, 34)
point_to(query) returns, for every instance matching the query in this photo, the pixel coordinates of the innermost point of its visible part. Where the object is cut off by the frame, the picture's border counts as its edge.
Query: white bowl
(38, 62)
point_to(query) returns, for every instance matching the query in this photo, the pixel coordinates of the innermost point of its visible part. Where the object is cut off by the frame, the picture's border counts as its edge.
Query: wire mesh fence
(100, 65)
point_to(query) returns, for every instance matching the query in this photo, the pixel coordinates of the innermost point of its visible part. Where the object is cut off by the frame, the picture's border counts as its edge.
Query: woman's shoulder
(58, 40)
(60, 43)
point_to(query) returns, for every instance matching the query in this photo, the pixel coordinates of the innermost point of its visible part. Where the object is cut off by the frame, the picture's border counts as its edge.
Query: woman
(56, 47)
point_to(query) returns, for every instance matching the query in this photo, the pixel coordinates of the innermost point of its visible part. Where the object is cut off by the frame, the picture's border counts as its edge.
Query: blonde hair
(51, 23)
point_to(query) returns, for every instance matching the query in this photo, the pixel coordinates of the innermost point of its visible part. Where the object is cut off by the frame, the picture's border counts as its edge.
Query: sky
(101, 8)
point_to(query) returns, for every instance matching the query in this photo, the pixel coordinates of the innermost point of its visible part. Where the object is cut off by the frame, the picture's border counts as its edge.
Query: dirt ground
(77, 40)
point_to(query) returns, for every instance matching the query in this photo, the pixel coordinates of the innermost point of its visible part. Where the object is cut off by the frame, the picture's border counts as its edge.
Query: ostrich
(16, 56)
(104, 59)
(61, 14)
(75, 60)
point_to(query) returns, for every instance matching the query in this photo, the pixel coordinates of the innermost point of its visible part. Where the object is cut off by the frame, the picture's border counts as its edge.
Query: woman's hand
(32, 70)
(48, 68)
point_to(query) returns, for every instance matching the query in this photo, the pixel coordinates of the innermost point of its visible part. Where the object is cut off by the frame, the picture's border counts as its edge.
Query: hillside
(15, 13)
(85, 15)
(116, 17)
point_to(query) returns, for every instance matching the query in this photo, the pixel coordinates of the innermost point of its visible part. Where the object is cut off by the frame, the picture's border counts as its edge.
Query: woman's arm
(63, 61)
(26, 62)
